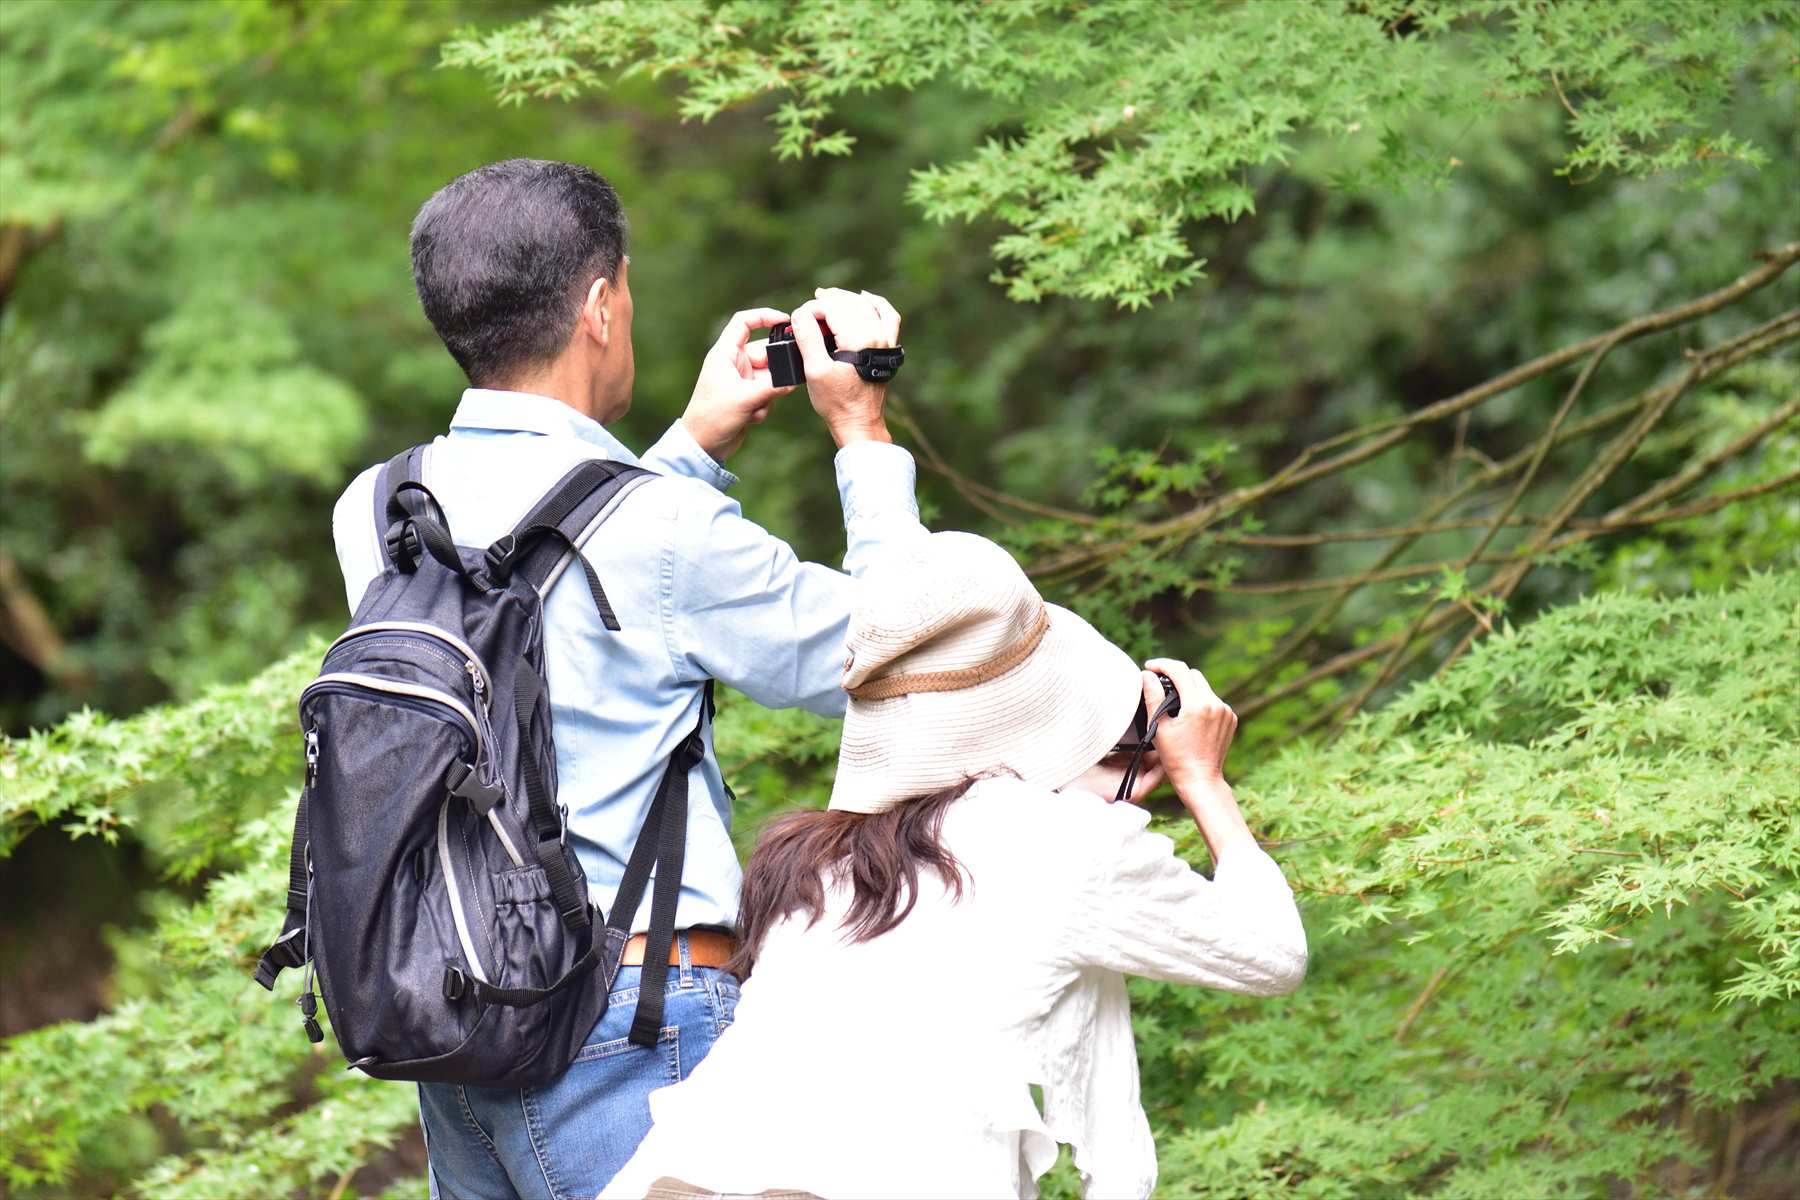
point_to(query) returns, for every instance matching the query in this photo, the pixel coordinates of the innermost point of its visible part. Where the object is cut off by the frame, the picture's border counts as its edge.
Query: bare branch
(1385, 434)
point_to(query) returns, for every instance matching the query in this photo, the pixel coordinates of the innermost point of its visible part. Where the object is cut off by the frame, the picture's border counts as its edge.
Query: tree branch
(1385, 434)
(979, 494)
(1760, 340)
(1538, 455)
(27, 627)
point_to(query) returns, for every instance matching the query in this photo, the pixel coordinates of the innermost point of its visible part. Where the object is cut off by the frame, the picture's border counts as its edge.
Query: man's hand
(733, 391)
(850, 406)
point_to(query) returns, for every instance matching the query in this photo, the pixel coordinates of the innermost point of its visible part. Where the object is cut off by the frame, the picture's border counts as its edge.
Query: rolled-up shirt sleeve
(1144, 911)
(741, 607)
(677, 453)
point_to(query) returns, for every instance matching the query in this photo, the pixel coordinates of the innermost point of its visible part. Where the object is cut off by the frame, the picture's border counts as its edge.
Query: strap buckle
(455, 982)
(500, 556)
(402, 545)
(285, 953)
(465, 781)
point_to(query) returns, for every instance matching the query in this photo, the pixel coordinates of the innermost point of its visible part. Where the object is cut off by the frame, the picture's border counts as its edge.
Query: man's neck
(567, 384)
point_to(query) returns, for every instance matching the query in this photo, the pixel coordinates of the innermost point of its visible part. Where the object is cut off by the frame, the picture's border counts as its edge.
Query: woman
(956, 928)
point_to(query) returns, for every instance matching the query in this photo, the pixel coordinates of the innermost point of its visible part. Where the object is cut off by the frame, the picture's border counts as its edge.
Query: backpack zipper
(484, 702)
(473, 661)
(480, 731)
(395, 687)
(482, 683)
(455, 892)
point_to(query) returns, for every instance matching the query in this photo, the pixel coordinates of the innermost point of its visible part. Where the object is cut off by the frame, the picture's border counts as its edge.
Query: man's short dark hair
(503, 258)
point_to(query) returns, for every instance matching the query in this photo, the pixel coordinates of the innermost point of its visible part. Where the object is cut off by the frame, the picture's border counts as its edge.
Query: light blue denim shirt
(700, 593)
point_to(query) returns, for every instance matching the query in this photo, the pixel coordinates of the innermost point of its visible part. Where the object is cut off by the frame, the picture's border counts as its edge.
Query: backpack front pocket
(385, 929)
(528, 930)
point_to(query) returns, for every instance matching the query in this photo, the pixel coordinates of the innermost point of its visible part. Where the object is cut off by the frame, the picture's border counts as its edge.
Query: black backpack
(430, 884)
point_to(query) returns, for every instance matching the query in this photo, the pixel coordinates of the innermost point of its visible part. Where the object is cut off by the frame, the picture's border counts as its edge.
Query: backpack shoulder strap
(660, 846)
(408, 519)
(400, 492)
(290, 948)
(408, 466)
(550, 536)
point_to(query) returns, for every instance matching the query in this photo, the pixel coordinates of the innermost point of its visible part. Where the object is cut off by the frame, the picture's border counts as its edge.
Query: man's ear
(596, 312)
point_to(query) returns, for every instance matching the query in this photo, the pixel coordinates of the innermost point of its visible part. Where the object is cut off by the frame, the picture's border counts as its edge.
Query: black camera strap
(876, 364)
(1171, 703)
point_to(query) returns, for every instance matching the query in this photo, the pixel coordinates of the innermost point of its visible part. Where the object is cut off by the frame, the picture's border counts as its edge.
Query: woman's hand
(1193, 748)
(1104, 777)
(1193, 745)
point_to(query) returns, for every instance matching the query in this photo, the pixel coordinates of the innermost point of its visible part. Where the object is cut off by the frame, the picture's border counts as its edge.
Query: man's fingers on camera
(889, 316)
(737, 330)
(811, 341)
(854, 319)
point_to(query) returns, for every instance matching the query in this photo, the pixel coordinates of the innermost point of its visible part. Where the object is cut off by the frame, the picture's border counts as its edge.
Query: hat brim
(1046, 721)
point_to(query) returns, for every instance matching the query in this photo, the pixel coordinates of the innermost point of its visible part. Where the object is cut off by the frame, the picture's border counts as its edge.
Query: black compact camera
(1143, 722)
(877, 364)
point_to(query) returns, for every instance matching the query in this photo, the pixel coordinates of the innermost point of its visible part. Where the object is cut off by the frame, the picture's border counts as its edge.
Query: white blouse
(902, 1066)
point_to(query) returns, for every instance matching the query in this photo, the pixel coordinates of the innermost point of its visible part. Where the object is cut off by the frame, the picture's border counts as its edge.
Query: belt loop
(687, 960)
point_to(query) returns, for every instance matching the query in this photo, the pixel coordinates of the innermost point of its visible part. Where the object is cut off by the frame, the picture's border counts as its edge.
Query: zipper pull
(309, 1016)
(312, 757)
(484, 702)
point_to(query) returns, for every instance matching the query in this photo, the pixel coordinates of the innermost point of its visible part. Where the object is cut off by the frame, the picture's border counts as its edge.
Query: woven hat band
(963, 677)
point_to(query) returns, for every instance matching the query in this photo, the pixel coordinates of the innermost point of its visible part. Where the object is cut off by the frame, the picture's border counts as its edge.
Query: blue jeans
(569, 1137)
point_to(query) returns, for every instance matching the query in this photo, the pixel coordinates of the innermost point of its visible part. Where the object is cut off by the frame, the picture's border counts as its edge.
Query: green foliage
(208, 326)
(203, 1050)
(1137, 117)
(1707, 551)
(208, 316)
(188, 770)
(223, 379)
(1550, 897)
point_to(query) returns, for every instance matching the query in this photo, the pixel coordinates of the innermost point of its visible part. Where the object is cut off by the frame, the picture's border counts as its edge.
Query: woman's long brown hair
(880, 854)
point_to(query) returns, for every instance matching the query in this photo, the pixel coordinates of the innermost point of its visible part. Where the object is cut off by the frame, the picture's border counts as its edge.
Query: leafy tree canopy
(1132, 118)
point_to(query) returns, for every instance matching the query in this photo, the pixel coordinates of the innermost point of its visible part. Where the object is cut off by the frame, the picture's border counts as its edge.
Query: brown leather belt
(706, 948)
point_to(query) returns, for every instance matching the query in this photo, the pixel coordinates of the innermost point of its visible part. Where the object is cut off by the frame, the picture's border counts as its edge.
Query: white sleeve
(353, 529)
(1145, 911)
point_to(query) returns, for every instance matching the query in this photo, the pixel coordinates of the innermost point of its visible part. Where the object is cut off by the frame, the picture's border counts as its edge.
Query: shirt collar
(526, 412)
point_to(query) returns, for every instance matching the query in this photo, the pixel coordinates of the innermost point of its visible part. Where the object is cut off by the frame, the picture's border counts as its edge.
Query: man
(521, 268)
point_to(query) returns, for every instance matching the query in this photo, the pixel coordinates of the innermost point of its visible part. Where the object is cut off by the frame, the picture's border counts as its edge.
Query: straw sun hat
(958, 668)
